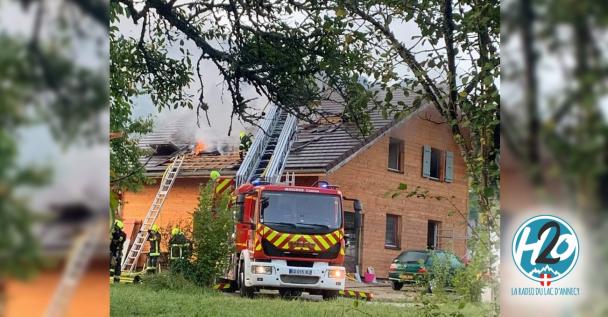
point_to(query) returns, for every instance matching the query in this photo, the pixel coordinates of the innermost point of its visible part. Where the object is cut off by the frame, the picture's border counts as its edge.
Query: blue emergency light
(323, 184)
(258, 182)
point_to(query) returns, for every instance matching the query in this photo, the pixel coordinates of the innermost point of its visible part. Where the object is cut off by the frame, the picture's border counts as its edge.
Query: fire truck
(289, 238)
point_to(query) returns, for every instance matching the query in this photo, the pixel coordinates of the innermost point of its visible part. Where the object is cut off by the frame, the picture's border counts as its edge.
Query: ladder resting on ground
(129, 263)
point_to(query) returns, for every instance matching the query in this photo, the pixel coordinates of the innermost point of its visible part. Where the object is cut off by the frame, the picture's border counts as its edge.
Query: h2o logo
(545, 249)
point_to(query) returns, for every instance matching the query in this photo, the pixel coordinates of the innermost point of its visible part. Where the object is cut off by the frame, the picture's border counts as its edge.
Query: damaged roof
(317, 149)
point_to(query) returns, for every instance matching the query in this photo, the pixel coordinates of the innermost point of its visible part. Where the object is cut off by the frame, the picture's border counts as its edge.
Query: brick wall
(367, 178)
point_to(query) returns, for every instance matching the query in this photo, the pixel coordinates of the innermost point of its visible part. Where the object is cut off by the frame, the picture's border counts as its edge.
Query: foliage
(212, 229)
(290, 53)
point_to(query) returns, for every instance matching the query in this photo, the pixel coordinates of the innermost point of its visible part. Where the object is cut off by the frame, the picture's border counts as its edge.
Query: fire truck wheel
(245, 291)
(396, 285)
(330, 295)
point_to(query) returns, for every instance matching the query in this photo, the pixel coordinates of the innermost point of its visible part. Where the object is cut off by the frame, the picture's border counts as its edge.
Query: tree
(291, 63)
(453, 64)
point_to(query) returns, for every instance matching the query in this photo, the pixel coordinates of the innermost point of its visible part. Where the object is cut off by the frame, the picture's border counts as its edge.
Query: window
(395, 155)
(432, 235)
(392, 238)
(433, 161)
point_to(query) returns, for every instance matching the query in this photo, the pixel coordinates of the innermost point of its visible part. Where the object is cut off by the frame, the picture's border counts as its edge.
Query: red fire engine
(289, 238)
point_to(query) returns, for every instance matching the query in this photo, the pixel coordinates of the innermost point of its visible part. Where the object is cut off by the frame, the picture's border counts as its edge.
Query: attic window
(395, 155)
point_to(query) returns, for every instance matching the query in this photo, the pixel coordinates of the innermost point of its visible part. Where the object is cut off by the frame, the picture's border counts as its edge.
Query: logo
(545, 249)
(301, 244)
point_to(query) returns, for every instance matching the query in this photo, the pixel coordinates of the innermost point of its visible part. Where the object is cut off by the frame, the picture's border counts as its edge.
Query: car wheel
(245, 291)
(397, 285)
(330, 295)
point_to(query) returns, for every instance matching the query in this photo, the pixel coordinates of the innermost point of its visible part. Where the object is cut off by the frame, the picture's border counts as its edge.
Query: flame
(199, 148)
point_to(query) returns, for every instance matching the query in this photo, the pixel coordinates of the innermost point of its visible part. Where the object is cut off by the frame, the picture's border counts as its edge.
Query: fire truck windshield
(308, 211)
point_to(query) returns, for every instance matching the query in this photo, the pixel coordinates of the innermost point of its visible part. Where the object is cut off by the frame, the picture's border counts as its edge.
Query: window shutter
(426, 161)
(449, 166)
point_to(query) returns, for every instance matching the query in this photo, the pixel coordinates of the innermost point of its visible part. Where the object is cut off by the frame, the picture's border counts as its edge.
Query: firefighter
(245, 143)
(118, 238)
(154, 238)
(179, 246)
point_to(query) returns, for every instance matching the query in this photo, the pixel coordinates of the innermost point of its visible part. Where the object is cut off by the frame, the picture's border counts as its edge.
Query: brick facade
(366, 177)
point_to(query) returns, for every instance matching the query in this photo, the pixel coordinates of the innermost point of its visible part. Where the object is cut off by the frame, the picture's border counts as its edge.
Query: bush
(212, 228)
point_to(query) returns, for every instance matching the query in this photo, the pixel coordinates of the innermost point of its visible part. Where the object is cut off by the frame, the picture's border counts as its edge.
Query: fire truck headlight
(335, 273)
(261, 269)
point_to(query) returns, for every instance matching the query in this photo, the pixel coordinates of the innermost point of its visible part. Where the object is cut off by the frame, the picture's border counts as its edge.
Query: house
(417, 150)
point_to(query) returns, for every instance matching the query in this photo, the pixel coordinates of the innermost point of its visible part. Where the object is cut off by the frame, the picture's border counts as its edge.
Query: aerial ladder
(129, 262)
(267, 155)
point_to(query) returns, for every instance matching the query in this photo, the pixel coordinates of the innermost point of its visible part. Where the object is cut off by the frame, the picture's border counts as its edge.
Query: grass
(142, 300)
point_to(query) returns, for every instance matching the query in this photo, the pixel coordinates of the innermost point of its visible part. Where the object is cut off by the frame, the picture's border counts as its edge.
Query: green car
(415, 266)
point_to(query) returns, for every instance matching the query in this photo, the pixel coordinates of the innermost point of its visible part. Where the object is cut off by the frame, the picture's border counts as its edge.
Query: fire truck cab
(289, 238)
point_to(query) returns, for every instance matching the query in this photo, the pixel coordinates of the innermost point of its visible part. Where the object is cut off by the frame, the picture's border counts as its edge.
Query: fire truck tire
(330, 295)
(396, 285)
(244, 290)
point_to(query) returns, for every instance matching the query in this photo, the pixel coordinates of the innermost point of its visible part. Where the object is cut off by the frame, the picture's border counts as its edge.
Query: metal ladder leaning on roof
(129, 263)
(268, 153)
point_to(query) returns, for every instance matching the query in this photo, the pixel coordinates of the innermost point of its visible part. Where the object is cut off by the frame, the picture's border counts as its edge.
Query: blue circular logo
(545, 249)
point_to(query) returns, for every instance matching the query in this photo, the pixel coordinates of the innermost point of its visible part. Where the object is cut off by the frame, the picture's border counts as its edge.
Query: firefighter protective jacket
(118, 238)
(154, 238)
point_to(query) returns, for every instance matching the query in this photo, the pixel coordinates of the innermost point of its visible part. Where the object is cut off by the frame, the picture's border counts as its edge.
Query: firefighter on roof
(179, 246)
(118, 238)
(245, 143)
(154, 238)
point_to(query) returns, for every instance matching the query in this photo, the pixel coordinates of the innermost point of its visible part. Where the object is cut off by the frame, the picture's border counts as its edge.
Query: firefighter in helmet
(245, 143)
(118, 237)
(214, 175)
(179, 245)
(154, 238)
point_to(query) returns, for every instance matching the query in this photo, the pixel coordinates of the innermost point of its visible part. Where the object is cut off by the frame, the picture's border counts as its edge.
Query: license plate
(406, 277)
(300, 272)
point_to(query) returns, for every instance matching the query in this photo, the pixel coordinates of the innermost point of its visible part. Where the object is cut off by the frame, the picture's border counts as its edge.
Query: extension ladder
(129, 262)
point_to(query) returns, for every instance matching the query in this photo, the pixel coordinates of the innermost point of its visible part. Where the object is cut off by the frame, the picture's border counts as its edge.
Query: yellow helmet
(214, 175)
(242, 134)
(119, 224)
(155, 227)
(174, 231)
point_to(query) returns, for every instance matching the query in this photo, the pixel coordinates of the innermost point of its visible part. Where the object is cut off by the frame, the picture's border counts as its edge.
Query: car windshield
(306, 210)
(412, 257)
